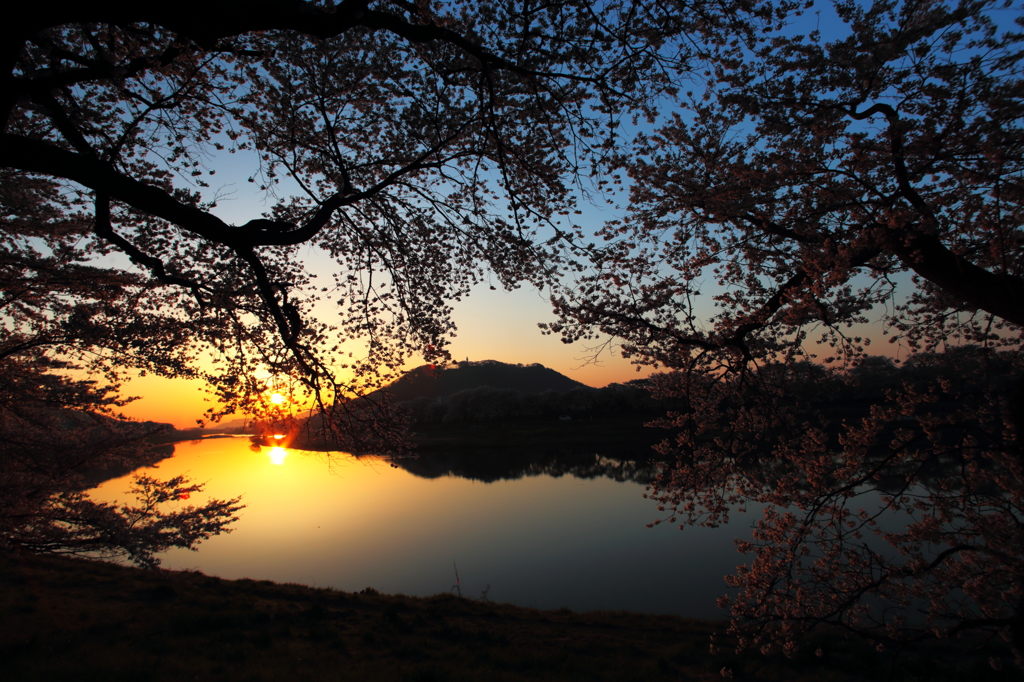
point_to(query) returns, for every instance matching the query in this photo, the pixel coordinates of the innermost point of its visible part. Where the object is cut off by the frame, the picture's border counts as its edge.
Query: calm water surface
(542, 541)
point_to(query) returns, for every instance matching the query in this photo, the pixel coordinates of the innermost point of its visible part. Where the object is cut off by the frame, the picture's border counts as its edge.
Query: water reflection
(571, 533)
(499, 465)
(277, 455)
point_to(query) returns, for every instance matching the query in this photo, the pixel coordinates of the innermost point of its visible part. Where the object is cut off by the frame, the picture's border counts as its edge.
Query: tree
(421, 147)
(417, 147)
(424, 147)
(814, 182)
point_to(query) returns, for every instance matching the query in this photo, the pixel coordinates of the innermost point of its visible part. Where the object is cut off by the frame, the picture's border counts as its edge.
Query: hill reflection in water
(553, 530)
(505, 465)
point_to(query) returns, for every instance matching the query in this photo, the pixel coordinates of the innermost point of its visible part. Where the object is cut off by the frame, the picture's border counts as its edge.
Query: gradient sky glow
(493, 325)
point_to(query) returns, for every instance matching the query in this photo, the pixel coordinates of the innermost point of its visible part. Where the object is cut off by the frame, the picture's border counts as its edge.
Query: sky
(492, 324)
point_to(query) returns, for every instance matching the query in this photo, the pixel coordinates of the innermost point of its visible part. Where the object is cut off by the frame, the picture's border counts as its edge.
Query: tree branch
(105, 231)
(997, 293)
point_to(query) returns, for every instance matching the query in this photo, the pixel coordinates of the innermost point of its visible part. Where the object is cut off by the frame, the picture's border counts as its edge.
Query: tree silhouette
(420, 148)
(51, 450)
(811, 184)
(804, 183)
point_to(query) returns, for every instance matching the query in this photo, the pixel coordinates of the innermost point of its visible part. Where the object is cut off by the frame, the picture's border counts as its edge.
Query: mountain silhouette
(424, 382)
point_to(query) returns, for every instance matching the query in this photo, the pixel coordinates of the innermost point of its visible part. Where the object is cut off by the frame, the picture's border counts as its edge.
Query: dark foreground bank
(68, 619)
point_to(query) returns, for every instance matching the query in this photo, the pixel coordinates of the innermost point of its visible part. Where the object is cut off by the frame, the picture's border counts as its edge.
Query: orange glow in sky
(493, 325)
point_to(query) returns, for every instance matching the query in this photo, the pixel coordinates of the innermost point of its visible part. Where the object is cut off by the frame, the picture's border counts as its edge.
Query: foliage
(64, 317)
(489, 404)
(419, 148)
(811, 183)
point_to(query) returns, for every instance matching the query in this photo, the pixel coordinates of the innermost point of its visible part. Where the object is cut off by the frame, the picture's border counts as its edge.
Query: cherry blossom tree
(805, 182)
(420, 147)
(814, 183)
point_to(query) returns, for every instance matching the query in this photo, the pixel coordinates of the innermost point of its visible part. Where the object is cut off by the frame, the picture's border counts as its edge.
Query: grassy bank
(66, 619)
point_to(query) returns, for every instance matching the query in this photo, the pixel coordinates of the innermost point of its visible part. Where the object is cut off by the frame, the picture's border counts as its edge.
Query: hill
(424, 382)
(447, 404)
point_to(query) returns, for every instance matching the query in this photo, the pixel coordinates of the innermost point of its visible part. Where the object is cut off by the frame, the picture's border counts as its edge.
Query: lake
(565, 534)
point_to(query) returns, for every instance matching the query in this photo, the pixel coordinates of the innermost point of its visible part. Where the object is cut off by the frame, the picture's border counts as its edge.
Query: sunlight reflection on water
(277, 455)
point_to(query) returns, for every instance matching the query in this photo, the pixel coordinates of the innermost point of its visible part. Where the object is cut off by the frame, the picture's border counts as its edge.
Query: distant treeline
(852, 389)
(487, 404)
(964, 371)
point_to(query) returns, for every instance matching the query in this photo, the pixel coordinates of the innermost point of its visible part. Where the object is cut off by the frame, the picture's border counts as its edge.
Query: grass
(70, 619)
